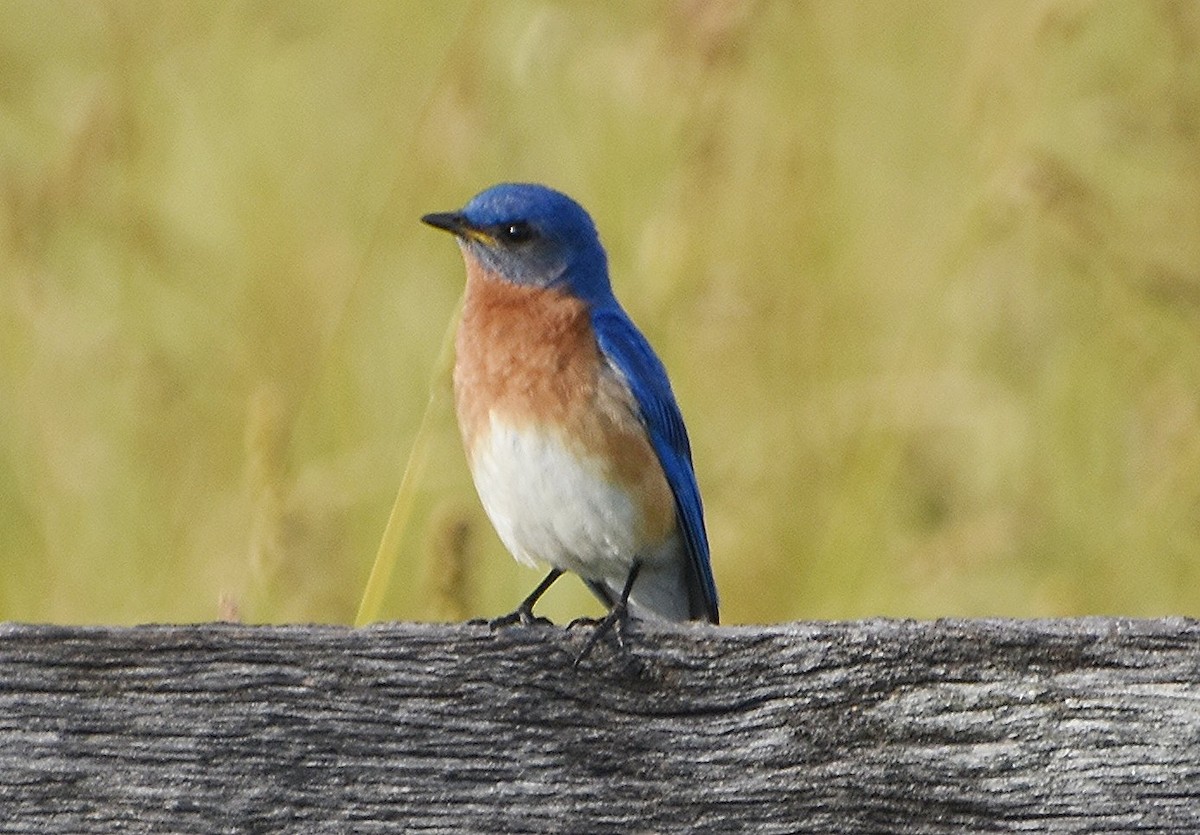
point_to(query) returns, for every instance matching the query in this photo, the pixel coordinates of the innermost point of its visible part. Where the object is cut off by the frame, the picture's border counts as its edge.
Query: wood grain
(877, 726)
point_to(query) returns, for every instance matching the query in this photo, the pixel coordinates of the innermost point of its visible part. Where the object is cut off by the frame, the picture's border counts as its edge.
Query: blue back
(624, 346)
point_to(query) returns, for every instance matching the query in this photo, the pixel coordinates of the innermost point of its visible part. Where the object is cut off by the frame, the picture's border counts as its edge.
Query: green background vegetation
(926, 276)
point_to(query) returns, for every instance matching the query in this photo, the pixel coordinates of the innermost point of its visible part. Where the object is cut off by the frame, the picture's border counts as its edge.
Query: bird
(572, 433)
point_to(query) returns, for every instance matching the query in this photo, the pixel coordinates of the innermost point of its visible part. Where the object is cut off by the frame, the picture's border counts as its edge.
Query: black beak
(450, 221)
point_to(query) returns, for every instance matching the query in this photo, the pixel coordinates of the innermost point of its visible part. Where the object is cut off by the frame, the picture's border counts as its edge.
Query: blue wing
(625, 347)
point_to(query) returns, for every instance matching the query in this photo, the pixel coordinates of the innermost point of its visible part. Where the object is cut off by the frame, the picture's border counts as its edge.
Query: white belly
(548, 505)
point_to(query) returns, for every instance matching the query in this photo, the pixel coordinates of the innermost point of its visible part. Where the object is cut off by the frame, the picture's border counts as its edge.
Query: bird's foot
(618, 617)
(523, 615)
(616, 621)
(583, 621)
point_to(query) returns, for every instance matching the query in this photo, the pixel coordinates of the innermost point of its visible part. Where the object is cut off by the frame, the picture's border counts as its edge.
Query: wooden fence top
(1084, 725)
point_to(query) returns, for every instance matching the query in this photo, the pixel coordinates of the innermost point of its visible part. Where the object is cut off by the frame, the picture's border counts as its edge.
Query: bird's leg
(616, 616)
(524, 613)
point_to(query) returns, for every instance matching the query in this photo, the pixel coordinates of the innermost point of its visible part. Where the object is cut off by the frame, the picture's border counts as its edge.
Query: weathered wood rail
(1088, 725)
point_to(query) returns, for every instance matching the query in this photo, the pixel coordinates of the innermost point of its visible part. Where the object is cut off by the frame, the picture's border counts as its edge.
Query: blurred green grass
(926, 275)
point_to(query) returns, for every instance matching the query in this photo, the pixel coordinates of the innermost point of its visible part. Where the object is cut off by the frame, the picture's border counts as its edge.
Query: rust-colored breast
(529, 357)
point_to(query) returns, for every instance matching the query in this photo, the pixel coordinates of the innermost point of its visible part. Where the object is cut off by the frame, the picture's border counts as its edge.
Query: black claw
(583, 621)
(523, 616)
(617, 617)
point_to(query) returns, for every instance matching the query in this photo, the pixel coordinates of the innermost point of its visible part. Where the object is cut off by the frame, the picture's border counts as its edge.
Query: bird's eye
(515, 233)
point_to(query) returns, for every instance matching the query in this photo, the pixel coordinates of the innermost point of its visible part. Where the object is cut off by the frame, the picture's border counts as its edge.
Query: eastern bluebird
(573, 437)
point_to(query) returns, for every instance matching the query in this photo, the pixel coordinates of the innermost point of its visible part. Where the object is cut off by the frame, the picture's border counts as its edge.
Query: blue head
(531, 235)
